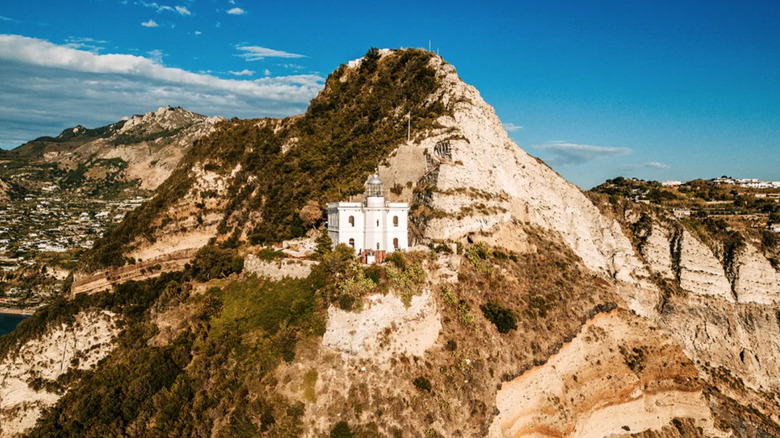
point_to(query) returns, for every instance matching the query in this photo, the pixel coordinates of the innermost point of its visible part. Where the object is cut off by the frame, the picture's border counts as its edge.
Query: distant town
(752, 183)
(747, 204)
(41, 237)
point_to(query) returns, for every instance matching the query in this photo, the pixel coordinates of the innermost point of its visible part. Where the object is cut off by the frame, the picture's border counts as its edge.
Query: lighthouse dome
(374, 187)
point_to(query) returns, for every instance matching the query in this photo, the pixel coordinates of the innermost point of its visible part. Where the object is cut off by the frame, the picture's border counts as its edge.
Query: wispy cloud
(648, 165)
(563, 152)
(5, 18)
(47, 87)
(511, 127)
(181, 10)
(156, 55)
(150, 23)
(236, 11)
(84, 43)
(244, 72)
(255, 53)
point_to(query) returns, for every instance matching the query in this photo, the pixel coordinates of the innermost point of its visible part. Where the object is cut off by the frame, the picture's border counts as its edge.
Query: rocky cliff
(525, 309)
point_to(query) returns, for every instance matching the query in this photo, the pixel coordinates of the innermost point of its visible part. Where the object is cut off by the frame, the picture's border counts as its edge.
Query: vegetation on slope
(349, 128)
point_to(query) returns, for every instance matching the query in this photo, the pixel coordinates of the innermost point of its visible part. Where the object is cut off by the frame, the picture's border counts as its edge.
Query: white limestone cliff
(77, 346)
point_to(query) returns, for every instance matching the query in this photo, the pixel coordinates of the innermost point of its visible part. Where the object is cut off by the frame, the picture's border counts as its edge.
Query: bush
(407, 281)
(341, 430)
(213, 262)
(504, 319)
(269, 254)
(422, 384)
(324, 244)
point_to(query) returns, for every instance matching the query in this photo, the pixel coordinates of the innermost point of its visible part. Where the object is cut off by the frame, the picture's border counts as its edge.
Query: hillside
(525, 308)
(67, 190)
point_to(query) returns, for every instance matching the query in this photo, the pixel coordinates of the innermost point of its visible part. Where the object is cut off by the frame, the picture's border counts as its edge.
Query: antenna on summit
(429, 45)
(409, 128)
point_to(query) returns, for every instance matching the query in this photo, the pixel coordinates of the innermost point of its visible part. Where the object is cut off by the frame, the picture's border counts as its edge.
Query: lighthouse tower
(375, 214)
(372, 225)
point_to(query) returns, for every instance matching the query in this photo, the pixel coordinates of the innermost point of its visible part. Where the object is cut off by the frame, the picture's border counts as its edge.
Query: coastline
(14, 311)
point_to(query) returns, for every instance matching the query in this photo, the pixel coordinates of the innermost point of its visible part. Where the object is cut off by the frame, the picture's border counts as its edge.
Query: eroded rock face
(756, 281)
(385, 327)
(79, 346)
(742, 338)
(657, 252)
(617, 376)
(514, 185)
(278, 269)
(700, 271)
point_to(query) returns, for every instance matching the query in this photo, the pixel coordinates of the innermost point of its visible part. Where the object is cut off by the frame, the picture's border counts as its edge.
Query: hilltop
(525, 307)
(138, 152)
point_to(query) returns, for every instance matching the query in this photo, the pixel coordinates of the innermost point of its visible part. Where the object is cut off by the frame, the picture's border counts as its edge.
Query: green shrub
(324, 244)
(422, 384)
(269, 254)
(406, 282)
(341, 430)
(504, 319)
(213, 262)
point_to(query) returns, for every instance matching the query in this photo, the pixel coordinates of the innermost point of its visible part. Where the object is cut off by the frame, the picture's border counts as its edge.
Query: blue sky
(658, 90)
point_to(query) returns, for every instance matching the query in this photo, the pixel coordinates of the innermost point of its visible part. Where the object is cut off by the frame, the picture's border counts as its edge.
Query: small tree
(324, 244)
(311, 213)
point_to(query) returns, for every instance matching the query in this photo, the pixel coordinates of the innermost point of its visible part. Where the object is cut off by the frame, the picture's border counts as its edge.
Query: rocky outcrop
(385, 327)
(657, 252)
(616, 377)
(26, 375)
(756, 280)
(742, 338)
(514, 185)
(700, 271)
(278, 269)
(481, 184)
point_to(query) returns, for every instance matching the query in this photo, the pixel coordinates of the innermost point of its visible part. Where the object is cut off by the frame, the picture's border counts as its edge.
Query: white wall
(373, 225)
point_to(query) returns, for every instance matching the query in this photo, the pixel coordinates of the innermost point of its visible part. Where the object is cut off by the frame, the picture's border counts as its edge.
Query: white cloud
(267, 72)
(255, 53)
(236, 11)
(150, 23)
(649, 165)
(45, 87)
(197, 32)
(244, 72)
(84, 43)
(5, 18)
(563, 152)
(156, 55)
(511, 127)
(181, 10)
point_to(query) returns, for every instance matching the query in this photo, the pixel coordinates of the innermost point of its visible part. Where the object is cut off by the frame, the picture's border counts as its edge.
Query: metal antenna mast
(409, 127)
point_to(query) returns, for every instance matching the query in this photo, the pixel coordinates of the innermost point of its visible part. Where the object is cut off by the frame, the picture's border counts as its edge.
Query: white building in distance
(374, 225)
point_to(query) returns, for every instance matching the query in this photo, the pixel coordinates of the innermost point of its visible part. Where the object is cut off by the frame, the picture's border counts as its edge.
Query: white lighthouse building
(373, 225)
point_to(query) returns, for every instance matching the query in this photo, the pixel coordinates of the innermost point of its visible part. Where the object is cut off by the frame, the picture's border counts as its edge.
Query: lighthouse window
(395, 221)
(395, 243)
(352, 242)
(377, 222)
(352, 221)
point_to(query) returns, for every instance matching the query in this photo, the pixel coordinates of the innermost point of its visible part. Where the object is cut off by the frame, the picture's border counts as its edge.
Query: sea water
(8, 322)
